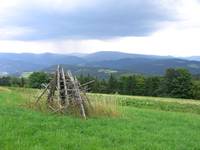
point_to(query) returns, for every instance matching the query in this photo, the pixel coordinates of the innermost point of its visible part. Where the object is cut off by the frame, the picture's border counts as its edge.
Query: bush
(36, 79)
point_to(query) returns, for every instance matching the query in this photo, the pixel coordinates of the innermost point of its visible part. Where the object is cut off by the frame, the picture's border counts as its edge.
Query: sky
(158, 27)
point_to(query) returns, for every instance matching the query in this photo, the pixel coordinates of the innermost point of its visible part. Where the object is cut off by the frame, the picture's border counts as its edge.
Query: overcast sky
(161, 27)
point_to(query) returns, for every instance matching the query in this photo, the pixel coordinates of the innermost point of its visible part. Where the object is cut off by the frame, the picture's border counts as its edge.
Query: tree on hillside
(5, 81)
(127, 85)
(152, 85)
(140, 85)
(103, 86)
(38, 78)
(112, 84)
(22, 82)
(178, 83)
(196, 90)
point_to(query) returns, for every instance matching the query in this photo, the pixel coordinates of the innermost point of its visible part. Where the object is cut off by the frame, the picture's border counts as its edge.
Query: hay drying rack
(64, 92)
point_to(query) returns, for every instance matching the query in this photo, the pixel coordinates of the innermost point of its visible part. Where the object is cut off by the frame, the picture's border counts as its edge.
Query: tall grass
(104, 106)
(100, 105)
(156, 103)
(29, 97)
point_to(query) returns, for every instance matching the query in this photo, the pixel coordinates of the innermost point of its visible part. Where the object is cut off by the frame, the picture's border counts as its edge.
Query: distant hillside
(195, 58)
(110, 55)
(102, 73)
(97, 64)
(12, 63)
(44, 59)
(17, 67)
(149, 66)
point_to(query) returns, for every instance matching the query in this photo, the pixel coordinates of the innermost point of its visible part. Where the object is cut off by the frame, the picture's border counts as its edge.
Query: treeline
(177, 83)
(35, 80)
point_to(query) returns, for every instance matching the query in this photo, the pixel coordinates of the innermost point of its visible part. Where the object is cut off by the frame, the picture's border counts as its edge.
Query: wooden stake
(65, 87)
(58, 82)
(42, 94)
(77, 92)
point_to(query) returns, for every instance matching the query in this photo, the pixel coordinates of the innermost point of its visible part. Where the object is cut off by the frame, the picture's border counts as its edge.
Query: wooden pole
(87, 83)
(77, 92)
(42, 94)
(58, 84)
(52, 90)
(65, 87)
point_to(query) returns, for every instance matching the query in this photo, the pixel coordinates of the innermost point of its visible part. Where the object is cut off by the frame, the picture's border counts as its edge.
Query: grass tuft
(104, 107)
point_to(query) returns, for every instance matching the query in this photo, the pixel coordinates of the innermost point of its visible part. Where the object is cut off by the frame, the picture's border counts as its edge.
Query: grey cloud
(111, 18)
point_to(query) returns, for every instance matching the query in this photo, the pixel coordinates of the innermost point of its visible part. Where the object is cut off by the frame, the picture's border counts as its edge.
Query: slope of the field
(146, 123)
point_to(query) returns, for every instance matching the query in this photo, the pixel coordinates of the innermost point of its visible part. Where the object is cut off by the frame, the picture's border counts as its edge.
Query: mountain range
(98, 64)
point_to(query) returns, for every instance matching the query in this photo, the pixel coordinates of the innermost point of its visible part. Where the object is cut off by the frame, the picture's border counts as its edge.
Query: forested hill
(149, 66)
(108, 62)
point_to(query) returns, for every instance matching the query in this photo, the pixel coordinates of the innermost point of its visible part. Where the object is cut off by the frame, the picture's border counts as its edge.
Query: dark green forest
(177, 83)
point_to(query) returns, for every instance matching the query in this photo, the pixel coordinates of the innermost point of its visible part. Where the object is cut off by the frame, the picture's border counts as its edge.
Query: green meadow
(144, 123)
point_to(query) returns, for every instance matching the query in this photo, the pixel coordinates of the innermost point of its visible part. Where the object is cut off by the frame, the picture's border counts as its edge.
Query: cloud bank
(86, 19)
(162, 27)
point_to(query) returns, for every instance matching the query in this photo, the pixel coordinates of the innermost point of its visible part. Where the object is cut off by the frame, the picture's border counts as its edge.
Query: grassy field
(146, 123)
